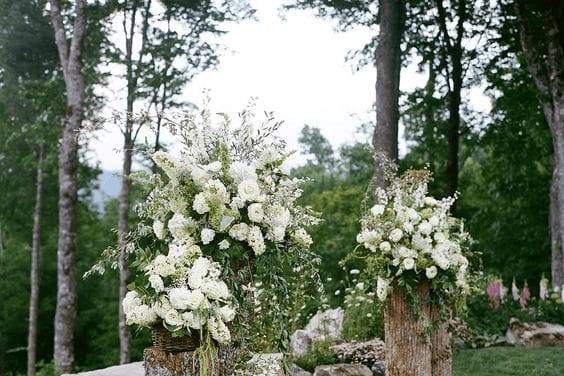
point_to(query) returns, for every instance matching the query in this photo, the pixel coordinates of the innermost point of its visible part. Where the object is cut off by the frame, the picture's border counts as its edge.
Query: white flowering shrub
(408, 237)
(219, 217)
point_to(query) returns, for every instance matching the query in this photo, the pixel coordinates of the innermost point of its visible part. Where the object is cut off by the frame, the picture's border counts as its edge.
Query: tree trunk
(123, 219)
(161, 363)
(35, 264)
(408, 350)
(547, 71)
(441, 351)
(388, 66)
(69, 56)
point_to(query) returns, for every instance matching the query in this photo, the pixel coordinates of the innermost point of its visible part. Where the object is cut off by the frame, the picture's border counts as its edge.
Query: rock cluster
(324, 325)
(537, 334)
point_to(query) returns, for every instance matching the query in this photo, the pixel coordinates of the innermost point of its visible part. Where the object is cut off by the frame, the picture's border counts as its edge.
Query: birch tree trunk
(69, 56)
(388, 66)
(547, 71)
(35, 265)
(408, 350)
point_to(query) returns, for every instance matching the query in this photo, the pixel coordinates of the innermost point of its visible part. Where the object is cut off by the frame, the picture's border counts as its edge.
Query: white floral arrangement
(409, 237)
(220, 215)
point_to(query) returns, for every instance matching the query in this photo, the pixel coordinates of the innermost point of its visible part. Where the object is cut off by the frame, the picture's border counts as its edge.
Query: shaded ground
(510, 361)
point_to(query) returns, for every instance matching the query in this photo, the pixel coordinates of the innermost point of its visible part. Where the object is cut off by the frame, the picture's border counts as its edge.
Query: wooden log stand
(163, 363)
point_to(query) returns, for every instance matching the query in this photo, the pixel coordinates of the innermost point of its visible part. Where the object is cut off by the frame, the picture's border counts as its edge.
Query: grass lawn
(510, 361)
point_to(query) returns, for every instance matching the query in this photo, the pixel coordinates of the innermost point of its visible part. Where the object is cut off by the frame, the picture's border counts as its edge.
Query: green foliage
(509, 361)
(320, 354)
(364, 315)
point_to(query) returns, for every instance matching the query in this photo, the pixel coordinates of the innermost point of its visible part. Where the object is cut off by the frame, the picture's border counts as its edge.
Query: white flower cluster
(189, 295)
(410, 232)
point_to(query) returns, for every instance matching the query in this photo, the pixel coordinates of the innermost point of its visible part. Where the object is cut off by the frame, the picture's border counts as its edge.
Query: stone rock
(327, 324)
(379, 368)
(270, 364)
(535, 334)
(297, 371)
(323, 325)
(367, 352)
(130, 369)
(300, 342)
(343, 370)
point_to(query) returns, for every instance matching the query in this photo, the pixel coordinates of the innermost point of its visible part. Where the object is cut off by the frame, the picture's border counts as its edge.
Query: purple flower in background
(525, 296)
(495, 291)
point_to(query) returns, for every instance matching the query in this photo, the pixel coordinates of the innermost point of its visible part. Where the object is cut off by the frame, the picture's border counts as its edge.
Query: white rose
(256, 212)
(431, 272)
(159, 229)
(200, 205)
(207, 235)
(377, 210)
(434, 221)
(430, 201)
(217, 189)
(385, 247)
(156, 282)
(198, 271)
(408, 263)
(396, 235)
(248, 190)
(173, 318)
(161, 307)
(440, 259)
(193, 321)
(200, 176)
(130, 302)
(227, 313)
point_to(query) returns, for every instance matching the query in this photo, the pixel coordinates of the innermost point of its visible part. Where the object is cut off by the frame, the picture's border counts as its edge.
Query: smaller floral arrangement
(409, 237)
(185, 295)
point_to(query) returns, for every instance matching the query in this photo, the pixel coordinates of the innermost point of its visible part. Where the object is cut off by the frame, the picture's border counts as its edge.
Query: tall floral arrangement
(409, 237)
(219, 230)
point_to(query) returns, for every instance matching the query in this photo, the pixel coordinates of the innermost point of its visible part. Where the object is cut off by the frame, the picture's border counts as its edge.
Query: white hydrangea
(130, 302)
(193, 321)
(382, 287)
(226, 313)
(181, 227)
(161, 307)
(303, 238)
(219, 331)
(216, 189)
(215, 290)
(156, 283)
(198, 271)
(255, 212)
(141, 315)
(207, 235)
(159, 229)
(239, 231)
(162, 266)
(256, 240)
(179, 297)
(377, 210)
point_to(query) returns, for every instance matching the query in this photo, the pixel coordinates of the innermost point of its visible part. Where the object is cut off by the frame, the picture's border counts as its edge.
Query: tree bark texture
(441, 350)
(408, 349)
(547, 71)
(69, 56)
(35, 265)
(388, 66)
(161, 363)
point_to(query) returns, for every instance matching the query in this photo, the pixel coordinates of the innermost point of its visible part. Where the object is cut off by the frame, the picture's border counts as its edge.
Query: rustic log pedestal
(409, 350)
(162, 363)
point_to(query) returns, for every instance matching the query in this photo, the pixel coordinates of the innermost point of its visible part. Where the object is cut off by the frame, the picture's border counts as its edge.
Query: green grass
(510, 361)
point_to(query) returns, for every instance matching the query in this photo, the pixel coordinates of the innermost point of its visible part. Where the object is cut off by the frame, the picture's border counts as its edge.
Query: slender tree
(35, 264)
(70, 60)
(541, 27)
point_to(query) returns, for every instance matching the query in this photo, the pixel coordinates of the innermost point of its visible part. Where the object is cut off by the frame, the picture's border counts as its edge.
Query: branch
(78, 32)
(144, 32)
(60, 34)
